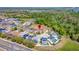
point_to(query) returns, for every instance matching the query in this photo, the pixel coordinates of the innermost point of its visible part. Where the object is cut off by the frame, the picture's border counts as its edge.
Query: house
(2, 30)
(44, 40)
(38, 28)
(27, 24)
(9, 23)
(12, 20)
(13, 33)
(25, 36)
(22, 34)
(53, 38)
(36, 39)
(28, 36)
(1, 20)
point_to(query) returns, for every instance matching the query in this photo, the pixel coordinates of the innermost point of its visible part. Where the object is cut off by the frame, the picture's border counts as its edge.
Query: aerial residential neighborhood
(40, 34)
(38, 29)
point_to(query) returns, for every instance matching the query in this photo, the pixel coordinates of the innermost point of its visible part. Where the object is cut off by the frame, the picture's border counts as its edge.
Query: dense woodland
(66, 23)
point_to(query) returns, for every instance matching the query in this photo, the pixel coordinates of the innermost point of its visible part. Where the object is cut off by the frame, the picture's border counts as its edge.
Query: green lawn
(70, 46)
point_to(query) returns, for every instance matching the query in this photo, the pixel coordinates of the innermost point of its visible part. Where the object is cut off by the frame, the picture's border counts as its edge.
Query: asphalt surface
(12, 46)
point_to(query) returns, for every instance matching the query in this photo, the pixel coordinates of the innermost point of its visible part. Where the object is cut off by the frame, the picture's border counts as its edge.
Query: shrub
(13, 40)
(2, 35)
(29, 43)
(17, 39)
(15, 28)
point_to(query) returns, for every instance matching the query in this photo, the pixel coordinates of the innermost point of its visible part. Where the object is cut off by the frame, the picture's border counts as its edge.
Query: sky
(38, 3)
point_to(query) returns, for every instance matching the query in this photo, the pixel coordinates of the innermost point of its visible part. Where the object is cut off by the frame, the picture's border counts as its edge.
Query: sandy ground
(53, 47)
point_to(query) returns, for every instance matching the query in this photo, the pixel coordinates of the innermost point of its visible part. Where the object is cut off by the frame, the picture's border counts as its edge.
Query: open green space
(70, 46)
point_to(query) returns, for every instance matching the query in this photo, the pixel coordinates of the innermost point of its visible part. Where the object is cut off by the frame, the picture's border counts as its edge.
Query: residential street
(12, 46)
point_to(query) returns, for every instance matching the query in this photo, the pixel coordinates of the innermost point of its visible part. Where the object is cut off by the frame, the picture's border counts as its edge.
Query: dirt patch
(53, 47)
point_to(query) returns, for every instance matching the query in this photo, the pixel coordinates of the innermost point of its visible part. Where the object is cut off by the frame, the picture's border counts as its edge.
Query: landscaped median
(27, 43)
(23, 41)
(7, 45)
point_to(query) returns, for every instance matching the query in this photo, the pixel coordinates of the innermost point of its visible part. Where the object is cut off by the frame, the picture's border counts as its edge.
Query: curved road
(12, 46)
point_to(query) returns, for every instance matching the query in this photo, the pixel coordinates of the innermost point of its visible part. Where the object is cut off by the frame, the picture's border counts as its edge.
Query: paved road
(12, 46)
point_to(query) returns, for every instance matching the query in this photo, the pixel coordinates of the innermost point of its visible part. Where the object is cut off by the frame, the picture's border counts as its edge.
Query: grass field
(70, 46)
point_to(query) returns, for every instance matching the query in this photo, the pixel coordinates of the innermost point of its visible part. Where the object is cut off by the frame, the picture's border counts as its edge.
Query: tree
(29, 43)
(14, 28)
